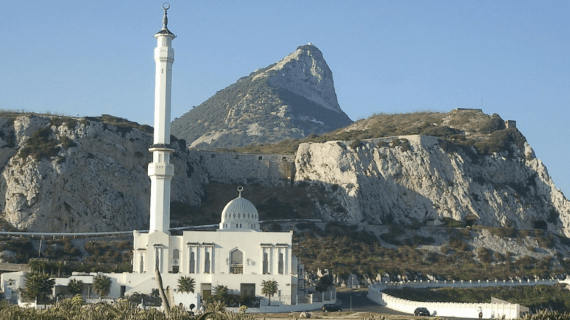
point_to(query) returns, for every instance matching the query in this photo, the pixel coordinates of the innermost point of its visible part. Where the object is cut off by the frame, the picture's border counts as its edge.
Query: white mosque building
(238, 255)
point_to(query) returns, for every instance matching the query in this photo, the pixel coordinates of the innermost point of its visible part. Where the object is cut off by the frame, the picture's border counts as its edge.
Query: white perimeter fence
(451, 309)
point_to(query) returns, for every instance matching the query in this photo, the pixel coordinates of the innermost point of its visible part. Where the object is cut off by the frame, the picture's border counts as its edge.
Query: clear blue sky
(96, 57)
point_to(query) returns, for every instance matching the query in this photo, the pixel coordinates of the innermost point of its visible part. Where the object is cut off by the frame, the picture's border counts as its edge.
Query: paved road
(360, 302)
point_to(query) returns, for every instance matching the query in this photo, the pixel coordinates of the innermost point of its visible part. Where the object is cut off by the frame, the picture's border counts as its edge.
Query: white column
(161, 170)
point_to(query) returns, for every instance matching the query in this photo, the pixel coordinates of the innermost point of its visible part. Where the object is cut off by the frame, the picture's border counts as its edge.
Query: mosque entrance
(206, 289)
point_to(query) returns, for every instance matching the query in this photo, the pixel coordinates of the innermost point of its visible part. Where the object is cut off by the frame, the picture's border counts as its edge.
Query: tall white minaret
(161, 170)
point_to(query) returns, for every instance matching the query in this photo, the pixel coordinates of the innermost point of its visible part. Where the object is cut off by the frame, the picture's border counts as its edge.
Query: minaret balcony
(161, 147)
(164, 53)
(161, 169)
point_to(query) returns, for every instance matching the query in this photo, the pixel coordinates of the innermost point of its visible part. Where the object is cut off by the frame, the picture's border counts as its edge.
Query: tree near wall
(101, 285)
(220, 293)
(269, 288)
(324, 283)
(75, 286)
(38, 286)
(186, 284)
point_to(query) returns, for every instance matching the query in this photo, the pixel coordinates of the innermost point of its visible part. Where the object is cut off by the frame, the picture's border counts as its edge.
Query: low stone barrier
(450, 309)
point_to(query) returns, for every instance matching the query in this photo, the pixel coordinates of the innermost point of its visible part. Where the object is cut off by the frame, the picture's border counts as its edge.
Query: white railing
(463, 284)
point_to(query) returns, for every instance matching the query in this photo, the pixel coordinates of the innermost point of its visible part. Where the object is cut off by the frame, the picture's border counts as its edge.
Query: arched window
(280, 266)
(207, 263)
(192, 263)
(236, 262)
(141, 265)
(157, 256)
(175, 261)
(265, 263)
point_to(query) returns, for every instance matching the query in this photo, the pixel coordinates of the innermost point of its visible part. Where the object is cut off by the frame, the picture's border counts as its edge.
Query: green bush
(485, 255)
(355, 143)
(404, 144)
(504, 232)
(441, 131)
(59, 121)
(495, 123)
(452, 223)
(40, 145)
(502, 140)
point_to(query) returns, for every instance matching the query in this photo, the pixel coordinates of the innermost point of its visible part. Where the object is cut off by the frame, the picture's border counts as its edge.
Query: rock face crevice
(378, 184)
(95, 179)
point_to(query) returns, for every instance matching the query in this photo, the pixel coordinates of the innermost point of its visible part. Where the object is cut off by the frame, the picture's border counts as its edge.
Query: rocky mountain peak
(289, 99)
(306, 73)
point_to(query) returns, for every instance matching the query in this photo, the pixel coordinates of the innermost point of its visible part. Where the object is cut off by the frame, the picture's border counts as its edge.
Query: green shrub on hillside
(59, 121)
(40, 145)
(452, 223)
(493, 124)
(22, 248)
(124, 126)
(485, 255)
(504, 232)
(473, 132)
(501, 140)
(404, 144)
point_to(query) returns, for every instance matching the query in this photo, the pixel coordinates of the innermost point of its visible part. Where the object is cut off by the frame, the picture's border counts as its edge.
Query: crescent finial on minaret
(165, 6)
(164, 30)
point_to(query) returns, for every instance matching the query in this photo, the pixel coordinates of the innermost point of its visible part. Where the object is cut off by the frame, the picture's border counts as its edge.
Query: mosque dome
(239, 214)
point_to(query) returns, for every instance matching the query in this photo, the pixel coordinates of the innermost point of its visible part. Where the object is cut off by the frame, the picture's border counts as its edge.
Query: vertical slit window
(280, 266)
(207, 263)
(141, 265)
(192, 263)
(265, 263)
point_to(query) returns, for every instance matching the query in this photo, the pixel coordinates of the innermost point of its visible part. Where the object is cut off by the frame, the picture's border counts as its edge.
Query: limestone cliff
(63, 174)
(289, 99)
(412, 179)
(81, 175)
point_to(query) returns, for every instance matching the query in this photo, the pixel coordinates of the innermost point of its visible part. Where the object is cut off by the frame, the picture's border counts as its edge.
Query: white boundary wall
(449, 309)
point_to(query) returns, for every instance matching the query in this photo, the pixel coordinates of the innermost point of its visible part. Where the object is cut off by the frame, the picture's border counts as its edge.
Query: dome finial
(165, 6)
(240, 189)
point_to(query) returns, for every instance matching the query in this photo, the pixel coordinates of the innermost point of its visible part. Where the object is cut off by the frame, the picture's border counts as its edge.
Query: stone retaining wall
(248, 169)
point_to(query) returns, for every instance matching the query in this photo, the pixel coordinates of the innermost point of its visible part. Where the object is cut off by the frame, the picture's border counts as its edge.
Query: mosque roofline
(165, 32)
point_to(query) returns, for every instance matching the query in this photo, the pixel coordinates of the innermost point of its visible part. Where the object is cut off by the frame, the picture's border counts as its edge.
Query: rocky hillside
(462, 165)
(290, 99)
(79, 175)
(90, 174)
